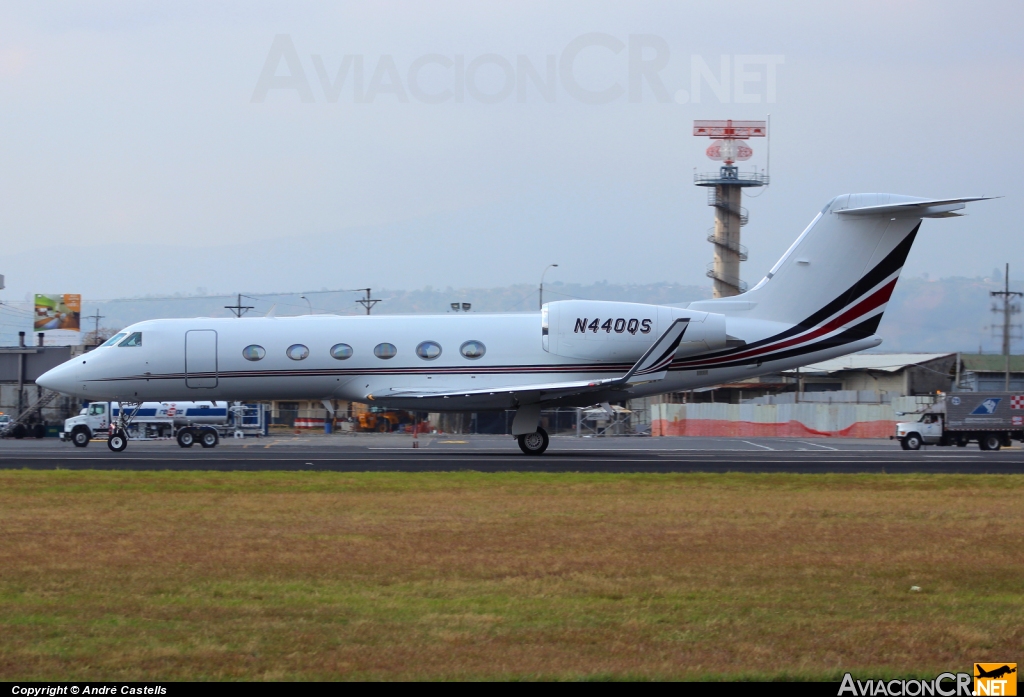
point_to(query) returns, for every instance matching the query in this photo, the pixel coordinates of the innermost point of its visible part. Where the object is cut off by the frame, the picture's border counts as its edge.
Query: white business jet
(824, 298)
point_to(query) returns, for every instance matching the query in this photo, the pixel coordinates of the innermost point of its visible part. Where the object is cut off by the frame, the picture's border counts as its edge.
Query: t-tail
(841, 271)
(830, 288)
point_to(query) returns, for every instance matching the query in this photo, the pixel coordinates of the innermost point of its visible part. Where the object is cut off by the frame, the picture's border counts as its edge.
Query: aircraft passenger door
(201, 358)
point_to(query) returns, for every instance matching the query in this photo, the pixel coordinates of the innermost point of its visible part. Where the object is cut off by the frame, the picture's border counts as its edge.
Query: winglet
(653, 365)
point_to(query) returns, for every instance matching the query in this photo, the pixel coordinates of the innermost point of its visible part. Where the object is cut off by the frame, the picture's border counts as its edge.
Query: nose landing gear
(118, 439)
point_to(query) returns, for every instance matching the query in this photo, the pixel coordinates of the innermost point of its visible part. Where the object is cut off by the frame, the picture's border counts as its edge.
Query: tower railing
(732, 281)
(718, 202)
(736, 247)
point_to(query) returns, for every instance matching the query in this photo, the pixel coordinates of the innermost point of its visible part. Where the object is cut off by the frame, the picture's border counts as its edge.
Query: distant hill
(949, 314)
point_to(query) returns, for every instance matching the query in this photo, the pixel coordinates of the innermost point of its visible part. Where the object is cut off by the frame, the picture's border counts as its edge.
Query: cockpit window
(114, 339)
(135, 339)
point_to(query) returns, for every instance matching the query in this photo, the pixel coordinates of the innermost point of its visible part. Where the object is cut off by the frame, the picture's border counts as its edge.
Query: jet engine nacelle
(613, 331)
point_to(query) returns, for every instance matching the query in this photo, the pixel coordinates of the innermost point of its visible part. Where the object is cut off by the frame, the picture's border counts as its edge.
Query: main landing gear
(533, 443)
(533, 440)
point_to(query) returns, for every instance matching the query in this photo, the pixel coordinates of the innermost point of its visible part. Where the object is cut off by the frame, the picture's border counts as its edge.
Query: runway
(395, 453)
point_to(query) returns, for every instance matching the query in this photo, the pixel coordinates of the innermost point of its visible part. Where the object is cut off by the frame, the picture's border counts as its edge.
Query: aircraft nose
(59, 379)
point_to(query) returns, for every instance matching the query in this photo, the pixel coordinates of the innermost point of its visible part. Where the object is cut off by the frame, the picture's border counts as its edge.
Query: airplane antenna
(238, 308)
(367, 302)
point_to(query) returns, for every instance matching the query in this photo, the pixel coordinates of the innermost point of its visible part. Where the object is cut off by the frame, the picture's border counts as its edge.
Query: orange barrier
(304, 422)
(748, 429)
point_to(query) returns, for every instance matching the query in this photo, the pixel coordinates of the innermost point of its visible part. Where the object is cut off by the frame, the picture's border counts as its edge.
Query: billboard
(58, 312)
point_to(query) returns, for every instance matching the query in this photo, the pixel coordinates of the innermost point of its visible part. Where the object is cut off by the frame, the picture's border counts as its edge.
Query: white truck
(992, 419)
(188, 422)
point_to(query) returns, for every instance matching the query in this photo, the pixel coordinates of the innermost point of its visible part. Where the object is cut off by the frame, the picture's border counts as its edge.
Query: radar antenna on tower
(724, 193)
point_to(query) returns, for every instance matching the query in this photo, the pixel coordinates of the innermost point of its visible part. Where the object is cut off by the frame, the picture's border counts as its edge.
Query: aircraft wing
(932, 208)
(652, 366)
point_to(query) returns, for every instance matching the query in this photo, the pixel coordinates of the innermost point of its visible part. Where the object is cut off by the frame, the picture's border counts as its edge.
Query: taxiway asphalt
(394, 453)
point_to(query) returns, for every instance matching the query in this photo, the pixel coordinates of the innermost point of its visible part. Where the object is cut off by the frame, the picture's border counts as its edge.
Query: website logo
(987, 407)
(995, 679)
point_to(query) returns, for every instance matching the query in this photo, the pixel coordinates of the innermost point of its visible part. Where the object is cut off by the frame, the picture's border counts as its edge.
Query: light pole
(308, 303)
(541, 304)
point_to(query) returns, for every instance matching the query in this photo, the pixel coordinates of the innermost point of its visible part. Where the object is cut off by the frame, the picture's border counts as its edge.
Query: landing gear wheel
(80, 437)
(990, 442)
(534, 443)
(208, 438)
(186, 438)
(118, 441)
(19, 431)
(912, 442)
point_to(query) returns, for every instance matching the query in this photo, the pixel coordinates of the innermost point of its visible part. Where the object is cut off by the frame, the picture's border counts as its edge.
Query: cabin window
(134, 339)
(473, 350)
(253, 352)
(385, 351)
(114, 339)
(428, 350)
(297, 352)
(341, 351)
(97, 409)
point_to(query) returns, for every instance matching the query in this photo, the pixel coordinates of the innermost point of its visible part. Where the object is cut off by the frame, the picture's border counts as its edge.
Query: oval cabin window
(428, 350)
(253, 353)
(385, 351)
(297, 352)
(473, 350)
(341, 351)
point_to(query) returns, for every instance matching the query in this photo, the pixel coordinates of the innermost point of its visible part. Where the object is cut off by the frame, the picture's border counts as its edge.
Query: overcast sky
(403, 144)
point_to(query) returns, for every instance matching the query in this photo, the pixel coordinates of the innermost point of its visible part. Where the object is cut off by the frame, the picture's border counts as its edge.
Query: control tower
(724, 193)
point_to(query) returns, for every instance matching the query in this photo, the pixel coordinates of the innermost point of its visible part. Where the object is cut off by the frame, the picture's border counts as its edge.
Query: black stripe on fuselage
(854, 333)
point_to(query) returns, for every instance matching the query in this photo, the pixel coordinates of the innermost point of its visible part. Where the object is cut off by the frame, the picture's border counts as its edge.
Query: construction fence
(815, 419)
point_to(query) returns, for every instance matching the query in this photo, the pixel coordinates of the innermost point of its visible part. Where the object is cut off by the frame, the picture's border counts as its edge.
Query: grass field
(199, 575)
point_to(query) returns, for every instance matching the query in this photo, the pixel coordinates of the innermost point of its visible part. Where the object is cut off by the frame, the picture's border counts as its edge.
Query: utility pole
(1008, 309)
(367, 302)
(238, 308)
(96, 327)
(540, 305)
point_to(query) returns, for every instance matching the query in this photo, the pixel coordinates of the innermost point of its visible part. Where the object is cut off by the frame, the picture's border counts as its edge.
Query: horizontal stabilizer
(925, 208)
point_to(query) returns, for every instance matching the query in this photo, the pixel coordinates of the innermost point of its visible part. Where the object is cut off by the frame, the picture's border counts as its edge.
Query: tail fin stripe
(892, 264)
(872, 302)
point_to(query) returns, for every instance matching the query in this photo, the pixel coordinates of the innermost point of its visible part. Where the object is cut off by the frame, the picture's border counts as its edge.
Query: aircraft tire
(990, 441)
(80, 437)
(186, 438)
(534, 443)
(208, 438)
(18, 431)
(118, 441)
(913, 441)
